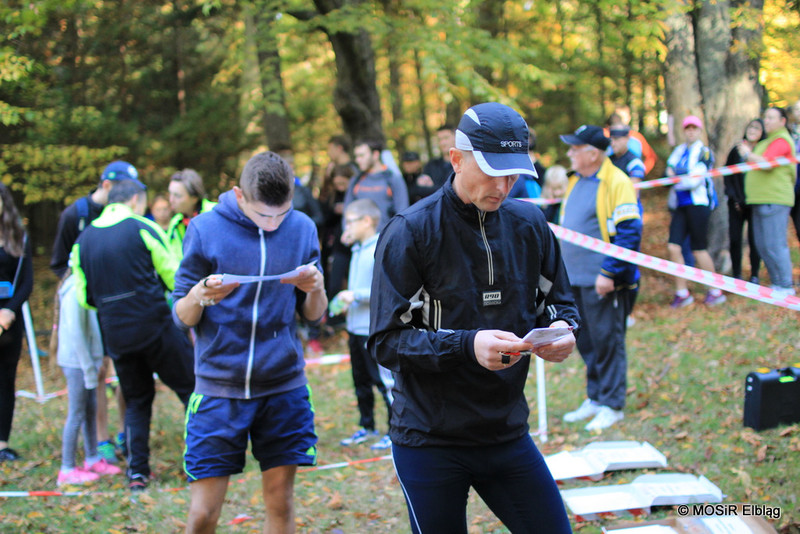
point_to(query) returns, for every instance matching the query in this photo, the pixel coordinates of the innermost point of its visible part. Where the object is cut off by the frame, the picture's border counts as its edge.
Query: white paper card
(543, 336)
(243, 279)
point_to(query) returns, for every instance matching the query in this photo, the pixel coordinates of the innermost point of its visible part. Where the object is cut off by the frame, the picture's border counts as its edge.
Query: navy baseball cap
(619, 130)
(587, 135)
(121, 170)
(497, 136)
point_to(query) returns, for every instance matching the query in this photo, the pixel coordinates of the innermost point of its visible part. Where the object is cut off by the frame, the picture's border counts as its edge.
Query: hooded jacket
(246, 344)
(443, 271)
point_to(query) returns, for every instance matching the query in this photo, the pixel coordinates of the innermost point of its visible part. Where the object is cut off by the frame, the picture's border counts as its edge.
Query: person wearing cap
(636, 141)
(376, 182)
(78, 330)
(601, 203)
(459, 277)
(691, 201)
(187, 197)
(530, 186)
(622, 157)
(122, 264)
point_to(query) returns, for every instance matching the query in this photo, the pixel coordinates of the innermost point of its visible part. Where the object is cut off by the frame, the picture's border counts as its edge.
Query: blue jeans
(770, 222)
(512, 479)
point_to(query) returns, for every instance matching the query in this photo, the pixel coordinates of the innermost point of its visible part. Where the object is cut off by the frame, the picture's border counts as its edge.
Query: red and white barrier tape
(719, 281)
(328, 359)
(339, 465)
(720, 171)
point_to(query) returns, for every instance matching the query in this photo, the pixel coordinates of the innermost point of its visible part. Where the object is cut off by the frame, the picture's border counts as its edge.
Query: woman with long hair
(738, 210)
(16, 282)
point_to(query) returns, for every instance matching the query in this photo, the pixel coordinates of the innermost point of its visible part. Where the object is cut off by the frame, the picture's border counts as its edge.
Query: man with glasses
(601, 203)
(251, 384)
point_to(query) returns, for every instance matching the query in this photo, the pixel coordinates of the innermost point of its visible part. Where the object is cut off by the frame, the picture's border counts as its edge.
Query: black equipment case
(772, 397)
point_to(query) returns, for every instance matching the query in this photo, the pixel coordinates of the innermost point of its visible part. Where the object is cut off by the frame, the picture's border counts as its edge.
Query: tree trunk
(681, 79)
(356, 95)
(423, 109)
(274, 115)
(710, 73)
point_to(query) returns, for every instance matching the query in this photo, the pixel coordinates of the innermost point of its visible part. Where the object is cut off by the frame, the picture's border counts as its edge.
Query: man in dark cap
(78, 330)
(459, 277)
(601, 203)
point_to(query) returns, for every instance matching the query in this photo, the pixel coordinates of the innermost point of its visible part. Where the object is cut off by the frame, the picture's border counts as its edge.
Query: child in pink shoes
(80, 357)
(88, 473)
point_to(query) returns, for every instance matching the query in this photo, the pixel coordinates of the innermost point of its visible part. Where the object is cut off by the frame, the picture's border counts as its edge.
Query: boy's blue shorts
(280, 426)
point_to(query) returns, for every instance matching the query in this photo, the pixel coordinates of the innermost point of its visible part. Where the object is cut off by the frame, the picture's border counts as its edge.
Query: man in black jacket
(459, 277)
(122, 266)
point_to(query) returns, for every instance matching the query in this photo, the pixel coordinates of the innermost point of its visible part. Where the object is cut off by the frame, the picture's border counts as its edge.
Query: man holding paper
(459, 277)
(251, 384)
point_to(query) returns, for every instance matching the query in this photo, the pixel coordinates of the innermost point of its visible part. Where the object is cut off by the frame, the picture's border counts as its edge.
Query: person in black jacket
(738, 210)
(123, 265)
(16, 283)
(459, 277)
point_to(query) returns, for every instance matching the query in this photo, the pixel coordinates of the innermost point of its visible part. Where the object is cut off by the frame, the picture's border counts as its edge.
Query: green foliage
(58, 173)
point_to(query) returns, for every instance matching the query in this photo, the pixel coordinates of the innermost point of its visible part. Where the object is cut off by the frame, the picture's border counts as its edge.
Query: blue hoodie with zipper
(246, 344)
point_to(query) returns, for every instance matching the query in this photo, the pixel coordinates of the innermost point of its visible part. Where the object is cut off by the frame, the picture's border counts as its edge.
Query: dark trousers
(795, 213)
(171, 357)
(736, 220)
(10, 348)
(512, 479)
(365, 376)
(601, 342)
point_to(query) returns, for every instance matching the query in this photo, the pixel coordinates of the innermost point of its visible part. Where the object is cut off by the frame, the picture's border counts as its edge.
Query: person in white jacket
(691, 201)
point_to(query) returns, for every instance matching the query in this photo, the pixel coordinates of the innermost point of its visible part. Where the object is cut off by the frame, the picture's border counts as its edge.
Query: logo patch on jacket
(492, 298)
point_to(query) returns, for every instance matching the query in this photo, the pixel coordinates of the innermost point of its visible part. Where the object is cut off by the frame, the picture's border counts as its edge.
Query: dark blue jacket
(122, 266)
(246, 344)
(436, 266)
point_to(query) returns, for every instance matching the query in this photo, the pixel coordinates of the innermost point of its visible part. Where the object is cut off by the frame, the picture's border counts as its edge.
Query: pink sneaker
(76, 477)
(102, 468)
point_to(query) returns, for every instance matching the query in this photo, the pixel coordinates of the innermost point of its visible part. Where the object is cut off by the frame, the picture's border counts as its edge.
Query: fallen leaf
(336, 502)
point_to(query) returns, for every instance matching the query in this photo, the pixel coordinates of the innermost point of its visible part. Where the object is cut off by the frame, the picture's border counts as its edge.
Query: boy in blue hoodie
(251, 383)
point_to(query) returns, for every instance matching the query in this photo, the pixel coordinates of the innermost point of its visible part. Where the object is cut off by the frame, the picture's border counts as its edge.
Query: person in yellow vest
(770, 192)
(187, 196)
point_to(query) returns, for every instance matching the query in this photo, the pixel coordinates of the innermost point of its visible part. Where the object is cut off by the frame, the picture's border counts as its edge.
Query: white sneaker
(605, 418)
(586, 410)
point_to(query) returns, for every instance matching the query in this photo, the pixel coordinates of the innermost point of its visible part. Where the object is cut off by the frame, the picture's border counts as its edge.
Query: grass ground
(686, 390)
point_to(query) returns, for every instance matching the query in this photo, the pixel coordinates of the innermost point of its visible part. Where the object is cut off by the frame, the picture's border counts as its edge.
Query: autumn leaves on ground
(686, 392)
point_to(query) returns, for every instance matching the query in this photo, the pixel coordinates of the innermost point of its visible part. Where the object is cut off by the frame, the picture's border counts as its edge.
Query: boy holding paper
(250, 382)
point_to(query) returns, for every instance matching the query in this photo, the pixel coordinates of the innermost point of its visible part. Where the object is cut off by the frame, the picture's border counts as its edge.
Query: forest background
(204, 83)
